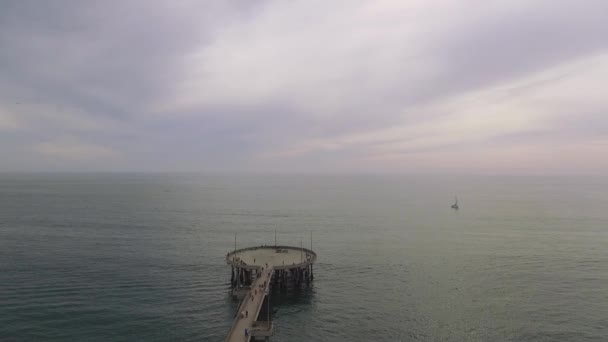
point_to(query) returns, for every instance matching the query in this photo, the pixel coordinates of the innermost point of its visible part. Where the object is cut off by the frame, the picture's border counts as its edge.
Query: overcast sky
(304, 86)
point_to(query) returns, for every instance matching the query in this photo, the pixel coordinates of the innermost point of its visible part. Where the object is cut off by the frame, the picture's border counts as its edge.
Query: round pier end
(279, 257)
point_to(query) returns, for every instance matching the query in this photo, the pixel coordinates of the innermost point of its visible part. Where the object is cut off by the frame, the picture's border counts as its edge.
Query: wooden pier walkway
(252, 303)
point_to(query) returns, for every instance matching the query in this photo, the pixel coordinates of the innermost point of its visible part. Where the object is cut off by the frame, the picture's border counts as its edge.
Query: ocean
(140, 257)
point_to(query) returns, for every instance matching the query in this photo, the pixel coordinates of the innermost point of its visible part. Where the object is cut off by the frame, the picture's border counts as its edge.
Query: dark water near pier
(139, 257)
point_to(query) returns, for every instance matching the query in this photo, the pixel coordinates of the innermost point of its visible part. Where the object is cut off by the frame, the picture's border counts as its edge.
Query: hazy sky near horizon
(517, 86)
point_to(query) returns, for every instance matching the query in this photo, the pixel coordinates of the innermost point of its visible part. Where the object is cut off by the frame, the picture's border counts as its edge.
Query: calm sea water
(139, 257)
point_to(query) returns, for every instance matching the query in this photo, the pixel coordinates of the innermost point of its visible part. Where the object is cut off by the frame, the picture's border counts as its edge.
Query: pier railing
(313, 258)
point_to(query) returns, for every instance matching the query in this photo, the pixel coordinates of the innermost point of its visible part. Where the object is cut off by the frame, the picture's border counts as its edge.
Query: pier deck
(251, 303)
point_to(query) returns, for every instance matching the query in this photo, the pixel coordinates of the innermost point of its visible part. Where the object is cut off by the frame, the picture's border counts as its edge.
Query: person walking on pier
(246, 313)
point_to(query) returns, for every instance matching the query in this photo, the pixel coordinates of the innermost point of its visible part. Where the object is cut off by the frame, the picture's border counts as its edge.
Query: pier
(256, 271)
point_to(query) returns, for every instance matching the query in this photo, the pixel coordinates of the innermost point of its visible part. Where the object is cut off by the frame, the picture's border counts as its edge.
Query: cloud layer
(304, 86)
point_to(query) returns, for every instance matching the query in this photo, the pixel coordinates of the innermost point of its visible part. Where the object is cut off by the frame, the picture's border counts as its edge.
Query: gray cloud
(297, 86)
